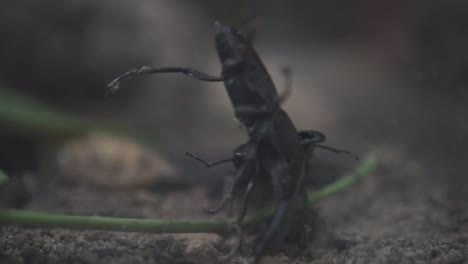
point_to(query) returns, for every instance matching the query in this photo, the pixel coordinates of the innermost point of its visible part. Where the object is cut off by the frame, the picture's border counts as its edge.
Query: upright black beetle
(275, 148)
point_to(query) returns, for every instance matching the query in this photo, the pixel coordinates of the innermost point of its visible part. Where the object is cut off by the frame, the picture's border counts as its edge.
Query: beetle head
(230, 43)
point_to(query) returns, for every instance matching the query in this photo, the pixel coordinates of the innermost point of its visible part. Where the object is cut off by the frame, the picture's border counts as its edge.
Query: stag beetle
(275, 149)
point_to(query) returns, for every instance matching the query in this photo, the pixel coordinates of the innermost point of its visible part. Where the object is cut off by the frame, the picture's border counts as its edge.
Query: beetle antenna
(114, 84)
(208, 164)
(338, 151)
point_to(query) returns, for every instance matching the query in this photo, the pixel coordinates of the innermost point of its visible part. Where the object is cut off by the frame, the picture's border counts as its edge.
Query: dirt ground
(395, 216)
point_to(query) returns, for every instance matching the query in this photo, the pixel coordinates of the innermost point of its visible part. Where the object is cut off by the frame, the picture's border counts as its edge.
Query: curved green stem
(45, 220)
(3, 177)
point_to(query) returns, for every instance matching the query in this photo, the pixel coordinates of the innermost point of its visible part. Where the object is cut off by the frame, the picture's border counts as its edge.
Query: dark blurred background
(371, 75)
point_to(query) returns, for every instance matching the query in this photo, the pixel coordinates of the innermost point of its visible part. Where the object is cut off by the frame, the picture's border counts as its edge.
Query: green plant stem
(32, 116)
(368, 165)
(3, 177)
(44, 220)
(29, 116)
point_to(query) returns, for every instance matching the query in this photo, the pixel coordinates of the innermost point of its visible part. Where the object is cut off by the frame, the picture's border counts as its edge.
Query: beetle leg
(209, 164)
(273, 235)
(114, 84)
(237, 225)
(238, 222)
(312, 137)
(337, 151)
(228, 196)
(244, 202)
(272, 230)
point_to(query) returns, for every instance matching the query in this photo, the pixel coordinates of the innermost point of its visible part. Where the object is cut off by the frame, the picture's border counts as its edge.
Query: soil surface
(396, 215)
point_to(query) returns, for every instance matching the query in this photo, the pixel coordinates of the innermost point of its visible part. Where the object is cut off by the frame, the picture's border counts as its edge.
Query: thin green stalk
(32, 116)
(28, 115)
(3, 177)
(340, 185)
(44, 220)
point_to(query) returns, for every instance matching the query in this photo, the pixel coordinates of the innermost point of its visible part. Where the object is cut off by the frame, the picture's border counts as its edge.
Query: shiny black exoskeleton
(275, 149)
(249, 86)
(274, 145)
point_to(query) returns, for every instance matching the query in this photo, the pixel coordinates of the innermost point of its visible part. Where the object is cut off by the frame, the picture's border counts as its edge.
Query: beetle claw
(220, 207)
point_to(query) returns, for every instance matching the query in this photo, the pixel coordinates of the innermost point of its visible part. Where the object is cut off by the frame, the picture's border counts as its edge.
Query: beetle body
(275, 150)
(248, 84)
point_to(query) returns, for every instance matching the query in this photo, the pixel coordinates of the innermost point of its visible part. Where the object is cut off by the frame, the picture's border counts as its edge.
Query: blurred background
(386, 76)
